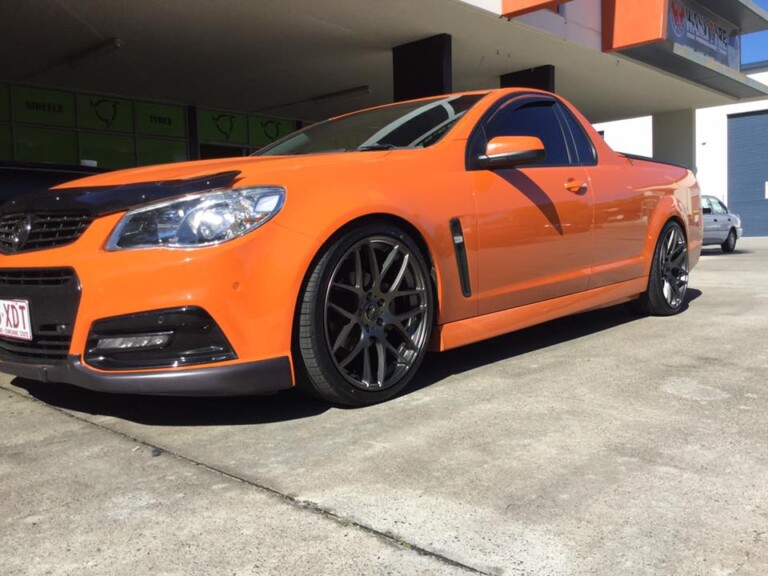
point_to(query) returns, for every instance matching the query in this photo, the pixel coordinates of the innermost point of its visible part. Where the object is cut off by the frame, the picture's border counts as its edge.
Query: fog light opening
(135, 341)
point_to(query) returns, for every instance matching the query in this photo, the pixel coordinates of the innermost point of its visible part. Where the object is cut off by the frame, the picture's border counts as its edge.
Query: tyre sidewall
(655, 302)
(344, 392)
(730, 242)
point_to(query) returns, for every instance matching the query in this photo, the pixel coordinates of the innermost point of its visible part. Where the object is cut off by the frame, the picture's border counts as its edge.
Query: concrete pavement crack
(290, 500)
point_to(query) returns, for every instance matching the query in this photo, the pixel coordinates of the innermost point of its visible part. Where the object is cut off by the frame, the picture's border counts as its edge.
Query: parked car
(720, 226)
(334, 258)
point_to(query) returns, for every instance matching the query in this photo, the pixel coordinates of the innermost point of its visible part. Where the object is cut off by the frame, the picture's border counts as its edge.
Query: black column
(193, 139)
(541, 77)
(422, 68)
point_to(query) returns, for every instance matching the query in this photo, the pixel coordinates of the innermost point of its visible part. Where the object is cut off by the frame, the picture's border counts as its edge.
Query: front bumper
(248, 288)
(242, 379)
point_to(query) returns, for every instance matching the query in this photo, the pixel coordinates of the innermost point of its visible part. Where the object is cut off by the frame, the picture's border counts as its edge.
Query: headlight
(198, 220)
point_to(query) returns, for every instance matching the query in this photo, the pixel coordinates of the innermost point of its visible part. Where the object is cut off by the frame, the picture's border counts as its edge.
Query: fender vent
(459, 246)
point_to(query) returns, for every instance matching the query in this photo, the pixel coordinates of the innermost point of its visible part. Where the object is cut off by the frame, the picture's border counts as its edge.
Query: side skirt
(470, 330)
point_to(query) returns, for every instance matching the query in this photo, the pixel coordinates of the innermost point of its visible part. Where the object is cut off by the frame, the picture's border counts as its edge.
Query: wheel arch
(378, 217)
(667, 210)
(301, 377)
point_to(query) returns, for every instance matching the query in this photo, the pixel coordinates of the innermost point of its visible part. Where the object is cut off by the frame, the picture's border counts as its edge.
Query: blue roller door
(748, 170)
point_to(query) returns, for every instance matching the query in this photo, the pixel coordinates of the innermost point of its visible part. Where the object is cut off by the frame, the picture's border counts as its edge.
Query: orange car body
(587, 243)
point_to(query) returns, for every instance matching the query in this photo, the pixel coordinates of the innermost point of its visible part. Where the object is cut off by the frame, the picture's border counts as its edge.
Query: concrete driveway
(598, 444)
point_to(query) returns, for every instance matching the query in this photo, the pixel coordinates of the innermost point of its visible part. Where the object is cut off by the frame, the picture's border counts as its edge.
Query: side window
(717, 207)
(706, 205)
(723, 206)
(534, 119)
(584, 147)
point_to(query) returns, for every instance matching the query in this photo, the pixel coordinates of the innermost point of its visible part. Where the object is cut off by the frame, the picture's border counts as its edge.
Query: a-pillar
(674, 137)
(422, 68)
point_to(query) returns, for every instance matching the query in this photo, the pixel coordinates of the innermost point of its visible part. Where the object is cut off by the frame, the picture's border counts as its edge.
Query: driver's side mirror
(706, 210)
(508, 151)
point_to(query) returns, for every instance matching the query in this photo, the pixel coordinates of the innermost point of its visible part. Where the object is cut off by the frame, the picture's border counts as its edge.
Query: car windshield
(407, 125)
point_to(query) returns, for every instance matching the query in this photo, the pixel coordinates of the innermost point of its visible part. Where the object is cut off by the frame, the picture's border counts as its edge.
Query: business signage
(266, 130)
(701, 30)
(48, 107)
(161, 120)
(222, 127)
(104, 113)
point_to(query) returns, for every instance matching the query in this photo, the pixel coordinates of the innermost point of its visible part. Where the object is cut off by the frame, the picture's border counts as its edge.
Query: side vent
(457, 234)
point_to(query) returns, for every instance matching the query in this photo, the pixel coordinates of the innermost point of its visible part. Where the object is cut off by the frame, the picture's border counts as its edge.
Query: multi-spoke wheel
(668, 280)
(366, 316)
(730, 242)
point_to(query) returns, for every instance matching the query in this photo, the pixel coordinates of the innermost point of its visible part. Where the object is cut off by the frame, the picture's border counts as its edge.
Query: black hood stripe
(102, 200)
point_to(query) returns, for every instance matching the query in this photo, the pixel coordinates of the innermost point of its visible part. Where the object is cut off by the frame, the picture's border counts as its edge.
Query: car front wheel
(365, 316)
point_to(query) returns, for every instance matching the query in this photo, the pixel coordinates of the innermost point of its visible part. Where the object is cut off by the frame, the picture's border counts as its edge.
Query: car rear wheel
(668, 281)
(365, 317)
(730, 242)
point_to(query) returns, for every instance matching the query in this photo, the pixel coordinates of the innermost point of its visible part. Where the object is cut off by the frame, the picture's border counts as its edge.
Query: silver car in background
(720, 226)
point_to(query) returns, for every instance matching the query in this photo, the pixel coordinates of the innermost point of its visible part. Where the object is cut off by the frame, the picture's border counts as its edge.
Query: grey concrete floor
(598, 444)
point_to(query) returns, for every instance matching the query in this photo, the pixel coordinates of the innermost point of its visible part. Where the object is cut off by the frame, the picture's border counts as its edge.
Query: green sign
(108, 150)
(5, 105)
(46, 145)
(49, 107)
(222, 127)
(161, 120)
(266, 130)
(161, 151)
(6, 143)
(104, 113)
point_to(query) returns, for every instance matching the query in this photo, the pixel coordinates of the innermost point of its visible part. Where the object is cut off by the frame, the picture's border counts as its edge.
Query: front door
(534, 222)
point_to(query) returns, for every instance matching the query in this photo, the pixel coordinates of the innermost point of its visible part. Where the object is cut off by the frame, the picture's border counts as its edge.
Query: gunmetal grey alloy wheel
(668, 280)
(371, 301)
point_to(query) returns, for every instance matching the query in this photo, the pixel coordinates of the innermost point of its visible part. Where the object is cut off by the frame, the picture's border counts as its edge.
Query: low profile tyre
(668, 279)
(730, 242)
(365, 317)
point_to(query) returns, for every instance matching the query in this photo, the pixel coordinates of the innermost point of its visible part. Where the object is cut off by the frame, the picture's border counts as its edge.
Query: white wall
(712, 142)
(633, 136)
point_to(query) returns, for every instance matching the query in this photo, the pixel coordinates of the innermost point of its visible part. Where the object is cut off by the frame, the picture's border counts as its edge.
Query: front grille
(54, 296)
(26, 232)
(41, 277)
(48, 345)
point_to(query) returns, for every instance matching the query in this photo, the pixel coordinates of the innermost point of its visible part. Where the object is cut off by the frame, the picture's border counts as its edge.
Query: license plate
(14, 319)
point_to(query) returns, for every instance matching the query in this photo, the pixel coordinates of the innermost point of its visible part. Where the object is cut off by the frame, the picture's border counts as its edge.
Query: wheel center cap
(370, 312)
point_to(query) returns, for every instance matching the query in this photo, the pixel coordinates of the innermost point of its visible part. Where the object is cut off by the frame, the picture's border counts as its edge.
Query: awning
(696, 67)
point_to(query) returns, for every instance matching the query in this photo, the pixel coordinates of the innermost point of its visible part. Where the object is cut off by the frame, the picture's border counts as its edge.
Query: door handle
(575, 186)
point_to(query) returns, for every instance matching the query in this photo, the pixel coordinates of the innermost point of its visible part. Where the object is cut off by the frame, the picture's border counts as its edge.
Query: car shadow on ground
(716, 251)
(437, 367)
(291, 405)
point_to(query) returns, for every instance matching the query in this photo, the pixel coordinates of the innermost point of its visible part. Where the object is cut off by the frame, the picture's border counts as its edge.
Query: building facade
(125, 84)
